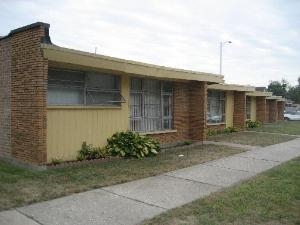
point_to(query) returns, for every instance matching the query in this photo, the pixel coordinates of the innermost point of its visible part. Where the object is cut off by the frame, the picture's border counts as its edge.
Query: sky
(265, 34)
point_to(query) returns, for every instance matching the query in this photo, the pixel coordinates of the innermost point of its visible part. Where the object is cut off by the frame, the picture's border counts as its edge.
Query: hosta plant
(130, 144)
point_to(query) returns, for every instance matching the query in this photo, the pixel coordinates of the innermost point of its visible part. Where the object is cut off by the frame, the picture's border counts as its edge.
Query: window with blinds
(215, 106)
(151, 103)
(66, 87)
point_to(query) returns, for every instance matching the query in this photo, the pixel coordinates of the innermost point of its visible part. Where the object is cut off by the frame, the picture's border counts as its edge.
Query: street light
(221, 46)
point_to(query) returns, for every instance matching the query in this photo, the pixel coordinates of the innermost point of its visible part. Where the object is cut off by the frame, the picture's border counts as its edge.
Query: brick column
(280, 110)
(5, 89)
(198, 105)
(261, 108)
(239, 112)
(273, 111)
(28, 94)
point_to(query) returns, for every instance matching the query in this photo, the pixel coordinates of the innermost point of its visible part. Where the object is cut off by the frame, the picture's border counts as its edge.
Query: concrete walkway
(131, 203)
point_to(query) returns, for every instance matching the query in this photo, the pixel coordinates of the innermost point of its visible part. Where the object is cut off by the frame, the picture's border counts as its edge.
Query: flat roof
(60, 55)
(274, 97)
(259, 94)
(231, 87)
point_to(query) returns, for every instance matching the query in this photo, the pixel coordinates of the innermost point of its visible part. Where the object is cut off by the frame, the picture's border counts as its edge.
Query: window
(215, 107)
(67, 87)
(151, 103)
(248, 107)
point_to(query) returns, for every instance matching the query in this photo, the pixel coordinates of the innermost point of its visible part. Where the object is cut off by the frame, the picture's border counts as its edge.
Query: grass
(284, 127)
(19, 187)
(249, 138)
(270, 198)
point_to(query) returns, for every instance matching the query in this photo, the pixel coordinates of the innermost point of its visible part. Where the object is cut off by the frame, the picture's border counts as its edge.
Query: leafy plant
(56, 161)
(187, 142)
(129, 144)
(252, 124)
(211, 132)
(229, 130)
(88, 152)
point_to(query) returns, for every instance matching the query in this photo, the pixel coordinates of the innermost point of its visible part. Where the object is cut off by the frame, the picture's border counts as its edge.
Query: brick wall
(272, 110)
(261, 109)
(28, 95)
(267, 111)
(239, 112)
(280, 110)
(5, 76)
(198, 108)
(189, 113)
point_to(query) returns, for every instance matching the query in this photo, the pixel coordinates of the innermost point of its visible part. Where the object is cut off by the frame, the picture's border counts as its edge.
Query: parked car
(292, 115)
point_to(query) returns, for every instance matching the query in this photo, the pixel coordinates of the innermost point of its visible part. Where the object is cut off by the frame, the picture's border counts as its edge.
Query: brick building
(54, 98)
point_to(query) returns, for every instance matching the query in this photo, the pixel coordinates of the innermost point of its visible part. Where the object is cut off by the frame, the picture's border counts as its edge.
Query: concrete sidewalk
(131, 203)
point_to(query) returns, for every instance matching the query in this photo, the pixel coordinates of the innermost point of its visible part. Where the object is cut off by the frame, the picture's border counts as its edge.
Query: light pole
(221, 47)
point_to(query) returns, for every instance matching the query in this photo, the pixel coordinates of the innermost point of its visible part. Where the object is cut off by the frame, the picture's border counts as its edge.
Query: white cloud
(265, 36)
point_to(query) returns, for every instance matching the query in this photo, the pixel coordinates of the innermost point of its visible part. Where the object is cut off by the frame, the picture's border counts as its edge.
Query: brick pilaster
(280, 110)
(239, 112)
(272, 110)
(261, 109)
(28, 95)
(198, 105)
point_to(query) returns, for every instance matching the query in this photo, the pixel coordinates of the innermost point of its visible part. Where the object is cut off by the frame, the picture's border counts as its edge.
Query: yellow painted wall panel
(229, 108)
(67, 128)
(253, 109)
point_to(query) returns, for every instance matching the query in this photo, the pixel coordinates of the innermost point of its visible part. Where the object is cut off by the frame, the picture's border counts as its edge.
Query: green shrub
(56, 161)
(187, 142)
(129, 144)
(252, 124)
(229, 130)
(211, 132)
(88, 152)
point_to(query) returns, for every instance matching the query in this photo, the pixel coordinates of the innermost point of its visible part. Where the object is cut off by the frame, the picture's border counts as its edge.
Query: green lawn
(272, 198)
(251, 138)
(20, 187)
(284, 127)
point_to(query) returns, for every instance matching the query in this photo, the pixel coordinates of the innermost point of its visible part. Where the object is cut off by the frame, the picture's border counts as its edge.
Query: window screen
(79, 88)
(65, 88)
(150, 105)
(215, 107)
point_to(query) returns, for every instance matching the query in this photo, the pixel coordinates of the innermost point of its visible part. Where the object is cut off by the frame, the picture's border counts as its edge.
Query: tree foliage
(282, 88)
(294, 93)
(278, 87)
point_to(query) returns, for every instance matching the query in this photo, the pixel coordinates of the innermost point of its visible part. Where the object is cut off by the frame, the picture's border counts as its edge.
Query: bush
(229, 130)
(129, 144)
(88, 152)
(211, 132)
(252, 124)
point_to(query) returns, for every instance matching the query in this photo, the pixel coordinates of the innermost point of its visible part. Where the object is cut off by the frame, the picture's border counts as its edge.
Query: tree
(294, 93)
(278, 88)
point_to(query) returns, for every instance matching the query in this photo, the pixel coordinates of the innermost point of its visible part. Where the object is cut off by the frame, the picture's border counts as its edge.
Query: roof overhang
(231, 87)
(59, 55)
(277, 98)
(259, 94)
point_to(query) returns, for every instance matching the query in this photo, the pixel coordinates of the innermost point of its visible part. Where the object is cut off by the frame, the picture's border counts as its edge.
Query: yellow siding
(253, 109)
(229, 108)
(67, 128)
